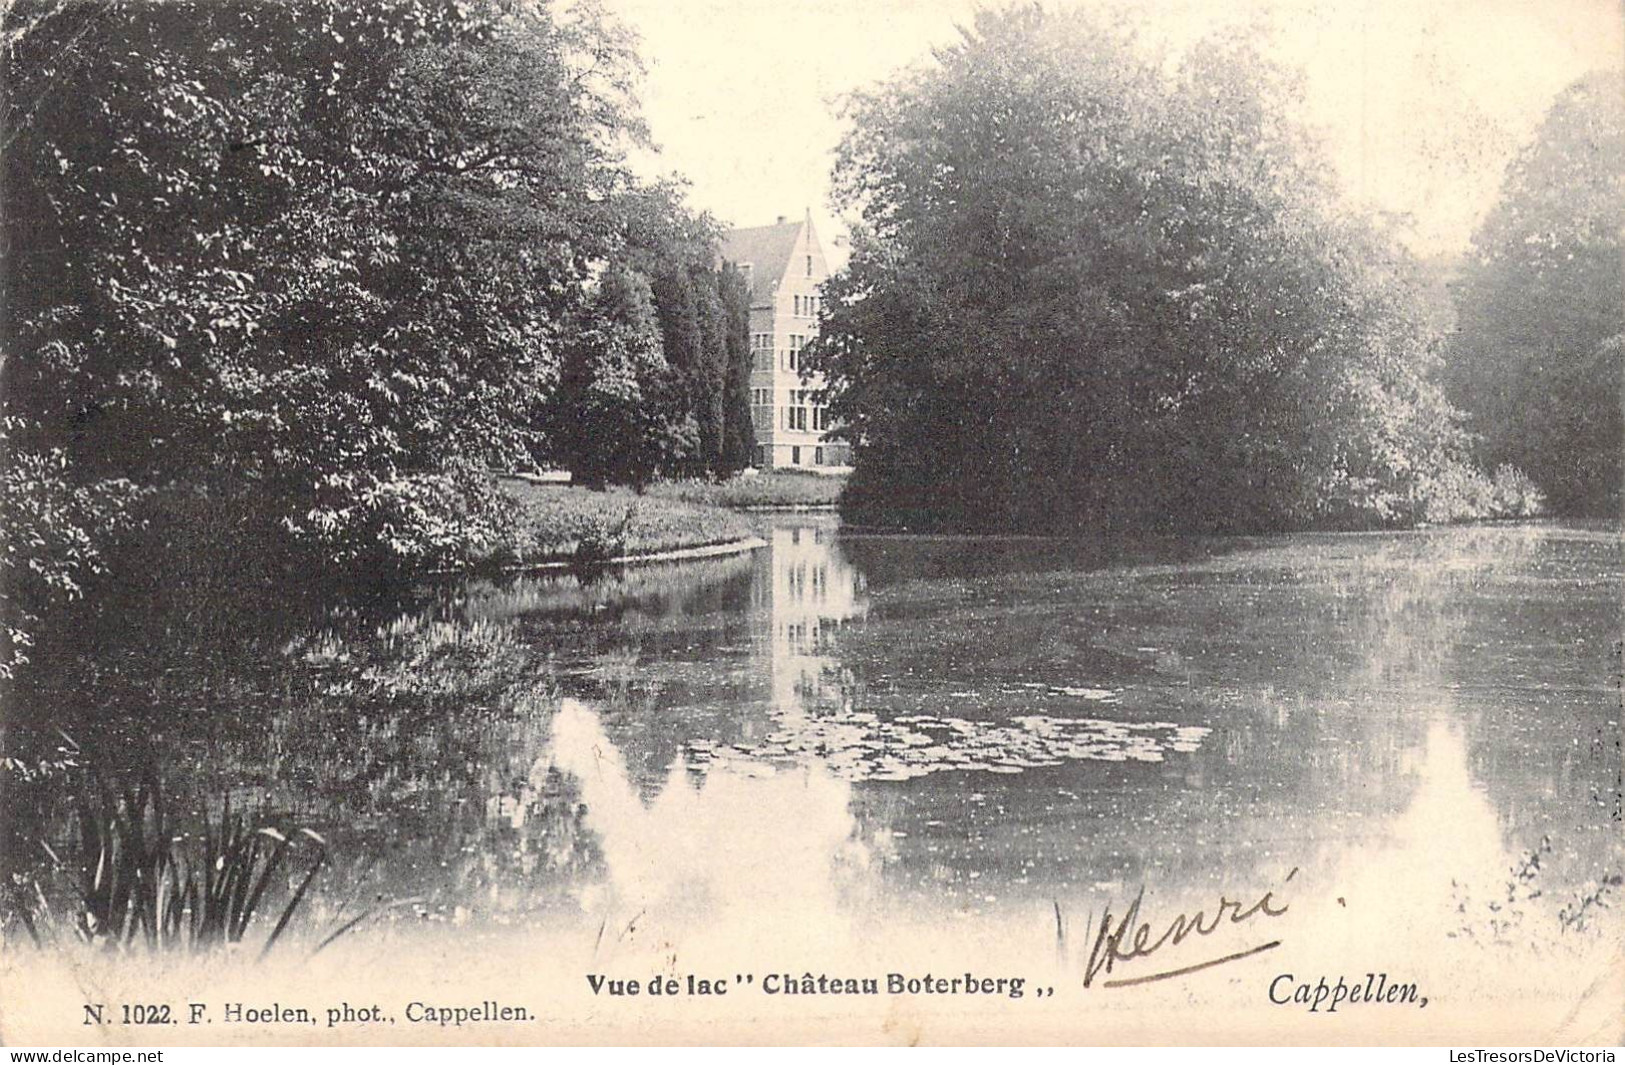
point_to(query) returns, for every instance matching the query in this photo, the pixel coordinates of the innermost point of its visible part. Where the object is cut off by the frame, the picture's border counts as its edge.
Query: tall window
(809, 266)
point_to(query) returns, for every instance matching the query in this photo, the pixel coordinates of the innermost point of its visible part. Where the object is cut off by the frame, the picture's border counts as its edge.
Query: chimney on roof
(780, 221)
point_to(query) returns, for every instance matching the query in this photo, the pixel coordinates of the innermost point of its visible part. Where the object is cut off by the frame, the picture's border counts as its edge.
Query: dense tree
(1087, 290)
(300, 250)
(677, 301)
(711, 395)
(702, 320)
(698, 328)
(1540, 351)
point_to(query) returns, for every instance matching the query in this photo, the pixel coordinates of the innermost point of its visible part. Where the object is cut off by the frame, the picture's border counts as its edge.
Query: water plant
(141, 883)
(1580, 914)
(1500, 919)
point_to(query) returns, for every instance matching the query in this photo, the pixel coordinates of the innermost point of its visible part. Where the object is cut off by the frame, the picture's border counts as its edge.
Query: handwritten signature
(1130, 938)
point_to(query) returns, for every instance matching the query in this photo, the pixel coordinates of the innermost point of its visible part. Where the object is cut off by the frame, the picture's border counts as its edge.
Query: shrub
(1515, 494)
(605, 536)
(1458, 491)
(410, 522)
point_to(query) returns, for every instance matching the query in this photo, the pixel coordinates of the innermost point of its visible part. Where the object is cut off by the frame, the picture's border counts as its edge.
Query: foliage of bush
(1462, 492)
(606, 537)
(55, 531)
(415, 522)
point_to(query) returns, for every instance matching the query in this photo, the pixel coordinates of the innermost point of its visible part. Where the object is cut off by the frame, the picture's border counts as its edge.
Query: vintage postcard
(536, 522)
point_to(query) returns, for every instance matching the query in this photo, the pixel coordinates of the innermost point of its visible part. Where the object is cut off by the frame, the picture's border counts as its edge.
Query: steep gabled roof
(767, 249)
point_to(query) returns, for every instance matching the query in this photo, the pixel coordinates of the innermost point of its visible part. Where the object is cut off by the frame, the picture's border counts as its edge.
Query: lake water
(840, 735)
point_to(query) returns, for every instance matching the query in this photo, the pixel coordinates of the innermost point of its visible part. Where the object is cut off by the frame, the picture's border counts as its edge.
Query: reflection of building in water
(808, 594)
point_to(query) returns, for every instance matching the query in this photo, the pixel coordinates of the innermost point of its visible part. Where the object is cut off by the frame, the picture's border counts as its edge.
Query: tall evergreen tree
(614, 425)
(677, 304)
(739, 431)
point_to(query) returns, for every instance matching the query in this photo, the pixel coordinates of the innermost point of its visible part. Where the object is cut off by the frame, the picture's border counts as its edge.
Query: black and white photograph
(808, 522)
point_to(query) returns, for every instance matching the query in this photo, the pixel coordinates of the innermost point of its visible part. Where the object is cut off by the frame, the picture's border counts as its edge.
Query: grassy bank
(561, 522)
(779, 488)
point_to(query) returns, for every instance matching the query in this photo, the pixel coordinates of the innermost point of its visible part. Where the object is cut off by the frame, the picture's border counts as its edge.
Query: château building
(784, 266)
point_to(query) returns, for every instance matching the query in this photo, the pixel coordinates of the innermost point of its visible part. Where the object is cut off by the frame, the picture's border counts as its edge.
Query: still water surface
(999, 733)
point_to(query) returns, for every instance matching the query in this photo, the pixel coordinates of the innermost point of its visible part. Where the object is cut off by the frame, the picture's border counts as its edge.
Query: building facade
(784, 267)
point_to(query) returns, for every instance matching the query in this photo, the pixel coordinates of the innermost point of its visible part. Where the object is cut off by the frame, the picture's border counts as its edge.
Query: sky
(1422, 103)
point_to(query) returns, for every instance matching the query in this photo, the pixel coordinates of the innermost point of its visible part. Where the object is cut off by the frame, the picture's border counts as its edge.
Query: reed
(141, 884)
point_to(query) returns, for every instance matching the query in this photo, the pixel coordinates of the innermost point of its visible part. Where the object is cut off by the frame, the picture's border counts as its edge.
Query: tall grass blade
(371, 911)
(293, 904)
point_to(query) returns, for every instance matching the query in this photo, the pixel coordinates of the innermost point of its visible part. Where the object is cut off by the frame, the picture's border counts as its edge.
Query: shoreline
(786, 508)
(676, 554)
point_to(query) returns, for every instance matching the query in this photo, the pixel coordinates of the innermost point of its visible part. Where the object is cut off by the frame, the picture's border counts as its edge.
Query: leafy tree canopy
(1540, 351)
(1088, 288)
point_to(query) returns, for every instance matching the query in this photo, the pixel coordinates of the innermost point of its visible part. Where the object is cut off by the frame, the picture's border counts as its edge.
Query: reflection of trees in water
(766, 858)
(407, 734)
(712, 654)
(1319, 661)
(413, 735)
(1538, 677)
(649, 603)
(1506, 630)
(143, 673)
(409, 748)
